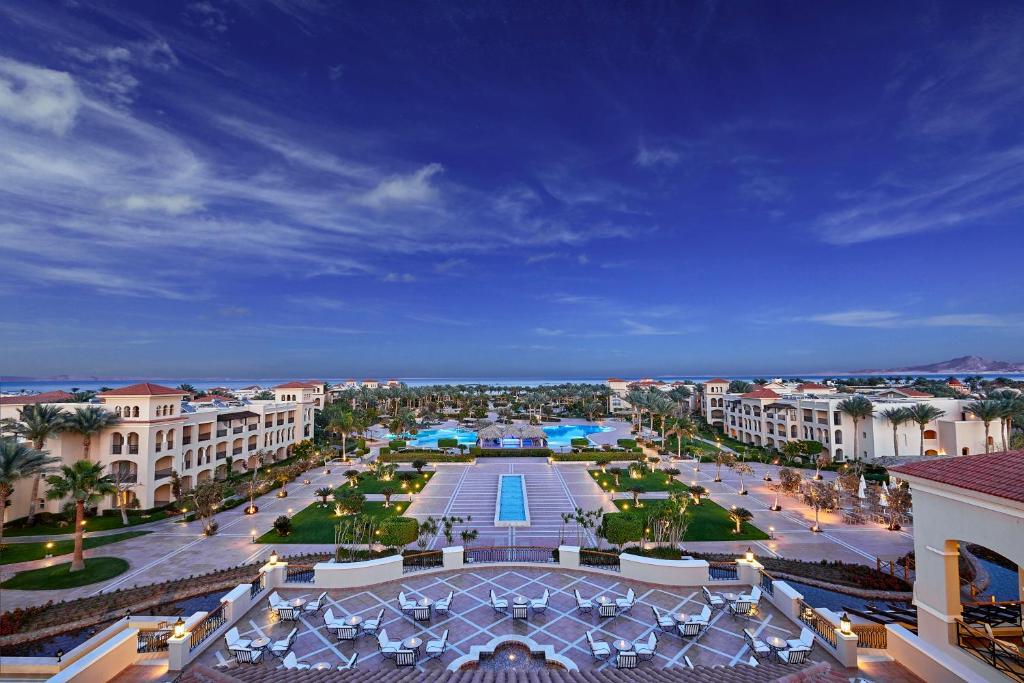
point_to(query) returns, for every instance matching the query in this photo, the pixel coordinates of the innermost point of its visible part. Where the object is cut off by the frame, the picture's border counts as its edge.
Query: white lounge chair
(753, 596)
(274, 601)
(499, 605)
(244, 655)
(281, 647)
(350, 664)
(806, 639)
(234, 640)
(664, 620)
(757, 646)
(406, 605)
(714, 600)
(646, 650)
(388, 648)
(443, 605)
(541, 603)
(581, 604)
(370, 626)
(625, 604)
(332, 622)
(436, 648)
(294, 663)
(599, 649)
(314, 606)
(795, 655)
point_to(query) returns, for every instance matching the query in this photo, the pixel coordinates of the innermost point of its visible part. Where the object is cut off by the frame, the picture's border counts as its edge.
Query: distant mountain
(954, 366)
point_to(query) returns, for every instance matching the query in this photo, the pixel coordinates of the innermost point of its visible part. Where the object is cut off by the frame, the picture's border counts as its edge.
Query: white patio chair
(646, 650)
(795, 655)
(752, 662)
(714, 600)
(599, 649)
(444, 605)
(332, 622)
(753, 596)
(388, 648)
(244, 655)
(347, 632)
(541, 604)
(806, 639)
(406, 605)
(664, 620)
(687, 662)
(274, 601)
(405, 658)
(581, 604)
(294, 663)
(757, 646)
(288, 613)
(625, 604)
(370, 626)
(691, 629)
(498, 605)
(521, 612)
(607, 611)
(280, 647)
(314, 606)
(350, 664)
(742, 608)
(626, 660)
(436, 648)
(234, 640)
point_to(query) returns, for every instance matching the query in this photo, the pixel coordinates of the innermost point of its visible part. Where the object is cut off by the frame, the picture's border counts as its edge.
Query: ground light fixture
(179, 628)
(253, 533)
(845, 627)
(771, 532)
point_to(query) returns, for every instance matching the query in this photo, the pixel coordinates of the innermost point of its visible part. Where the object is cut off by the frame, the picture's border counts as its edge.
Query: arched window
(839, 436)
(133, 444)
(170, 438)
(172, 408)
(135, 411)
(839, 454)
(116, 443)
(117, 411)
(159, 442)
(965, 451)
(929, 434)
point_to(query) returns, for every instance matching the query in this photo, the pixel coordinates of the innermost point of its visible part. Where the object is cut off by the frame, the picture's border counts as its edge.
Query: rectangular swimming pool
(511, 507)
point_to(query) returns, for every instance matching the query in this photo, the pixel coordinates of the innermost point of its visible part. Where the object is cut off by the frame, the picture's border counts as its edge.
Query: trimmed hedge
(396, 443)
(396, 532)
(595, 456)
(582, 443)
(627, 443)
(429, 456)
(448, 443)
(511, 452)
(620, 529)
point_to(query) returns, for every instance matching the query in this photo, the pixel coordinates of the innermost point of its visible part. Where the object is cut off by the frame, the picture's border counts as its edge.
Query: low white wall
(105, 662)
(329, 575)
(665, 572)
(930, 663)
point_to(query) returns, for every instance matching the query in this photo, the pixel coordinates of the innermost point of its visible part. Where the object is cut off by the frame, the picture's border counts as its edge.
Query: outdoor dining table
(321, 666)
(681, 617)
(775, 643)
(623, 645)
(260, 643)
(412, 643)
(298, 603)
(354, 621)
(603, 600)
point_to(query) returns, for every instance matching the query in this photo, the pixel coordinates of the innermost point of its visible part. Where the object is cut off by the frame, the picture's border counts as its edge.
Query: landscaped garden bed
(429, 456)
(405, 481)
(649, 481)
(49, 524)
(24, 552)
(59, 576)
(316, 523)
(706, 522)
(597, 456)
(836, 572)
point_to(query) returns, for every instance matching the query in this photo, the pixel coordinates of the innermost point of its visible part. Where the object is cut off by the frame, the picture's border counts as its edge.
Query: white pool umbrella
(862, 490)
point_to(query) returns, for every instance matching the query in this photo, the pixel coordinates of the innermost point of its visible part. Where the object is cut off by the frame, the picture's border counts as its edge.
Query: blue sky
(310, 188)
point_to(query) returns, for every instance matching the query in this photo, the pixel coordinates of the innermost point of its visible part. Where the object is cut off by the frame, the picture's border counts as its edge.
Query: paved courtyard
(473, 622)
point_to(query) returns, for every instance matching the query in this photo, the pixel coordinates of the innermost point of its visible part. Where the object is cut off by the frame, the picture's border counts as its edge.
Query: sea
(22, 385)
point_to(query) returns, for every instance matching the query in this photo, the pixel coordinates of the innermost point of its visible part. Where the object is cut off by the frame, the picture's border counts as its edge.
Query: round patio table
(425, 602)
(775, 643)
(320, 666)
(623, 645)
(603, 600)
(354, 621)
(298, 603)
(729, 597)
(412, 643)
(681, 617)
(259, 643)
(520, 600)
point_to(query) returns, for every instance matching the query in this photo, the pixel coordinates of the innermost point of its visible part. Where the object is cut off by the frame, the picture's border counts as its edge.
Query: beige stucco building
(774, 414)
(159, 431)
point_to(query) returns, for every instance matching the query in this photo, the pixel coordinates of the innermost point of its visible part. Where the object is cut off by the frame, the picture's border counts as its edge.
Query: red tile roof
(45, 397)
(144, 389)
(293, 385)
(811, 385)
(955, 382)
(997, 474)
(910, 393)
(717, 380)
(760, 393)
(615, 379)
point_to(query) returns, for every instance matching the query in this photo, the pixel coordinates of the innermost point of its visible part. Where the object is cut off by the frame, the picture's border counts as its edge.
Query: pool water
(512, 501)
(558, 436)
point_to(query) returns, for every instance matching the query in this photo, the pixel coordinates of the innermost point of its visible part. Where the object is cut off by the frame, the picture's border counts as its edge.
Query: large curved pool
(558, 436)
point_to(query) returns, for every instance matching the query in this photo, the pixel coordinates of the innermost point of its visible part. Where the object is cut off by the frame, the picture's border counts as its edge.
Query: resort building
(979, 501)
(311, 392)
(617, 402)
(248, 392)
(772, 415)
(159, 432)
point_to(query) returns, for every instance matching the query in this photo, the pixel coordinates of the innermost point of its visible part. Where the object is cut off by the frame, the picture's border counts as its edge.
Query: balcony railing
(237, 430)
(253, 427)
(153, 641)
(280, 422)
(205, 628)
(299, 573)
(164, 473)
(268, 425)
(222, 432)
(204, 437)
(511, 553)
(158, 447)
(1006, 613)
(133, 450)
(115, 449)
(1003, 657)
(257, 585)
(221, 456)
(291, 420)
(818, 623)
(722, 571)
(236, 451)
(187, 439)
(600, 559)
(425, 560)
(766, 583)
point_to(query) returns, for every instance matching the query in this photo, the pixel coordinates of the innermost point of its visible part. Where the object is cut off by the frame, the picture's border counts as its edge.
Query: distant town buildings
(617, 402)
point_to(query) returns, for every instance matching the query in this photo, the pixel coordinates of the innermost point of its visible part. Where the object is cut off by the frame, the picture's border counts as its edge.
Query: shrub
(447, 443)
(398, 531)
(429, 456)
(283, 525)
(395, 444)
(418, 464)
(211, 529)
(582, 443)
(619, 529)
(627, 443)
(349, 501)
(513, 452)
(595, 455)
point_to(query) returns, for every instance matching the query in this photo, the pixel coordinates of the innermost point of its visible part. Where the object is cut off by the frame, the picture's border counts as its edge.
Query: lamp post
(749, 555)
(845, 626)
(179, 628)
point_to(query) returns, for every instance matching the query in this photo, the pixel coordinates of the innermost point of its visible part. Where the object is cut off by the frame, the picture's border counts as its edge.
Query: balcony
(163, 474)
(291, 420)
(204, 437)
(221, 456)
(158, 447)
(125, 477)
(115, 449)
(253, 427)
(236, 451)
(222, 432)
(280, 422)
(237, 430)
(186, 440)
(268, 425)
(133, 450)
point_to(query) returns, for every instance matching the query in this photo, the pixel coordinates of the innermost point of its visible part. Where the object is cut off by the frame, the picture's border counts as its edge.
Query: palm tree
(342, 425)
(89, 422)
(39, 422)
(739, 516)
(742, 469)
(18, 461)
(986, 411)
(922, 414)
(85, 483)
(858, 408)
(896, 417)
(1013, 409)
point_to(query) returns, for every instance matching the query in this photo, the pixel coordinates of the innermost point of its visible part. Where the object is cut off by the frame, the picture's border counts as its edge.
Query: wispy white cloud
(414, 188)
(893, 319)
(540, 258)
(38, 97)
(548, 331)
(172, 204)
(449, 264)
(648, 157)
(399, 277)
(432, 319)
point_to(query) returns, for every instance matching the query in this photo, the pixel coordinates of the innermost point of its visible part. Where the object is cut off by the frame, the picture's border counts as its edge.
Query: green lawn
(709, 521)
(652, 481)
(58, 576)
(315, 524)
(688, 445)
(371, 484)
(23, 552)
(99, 523)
